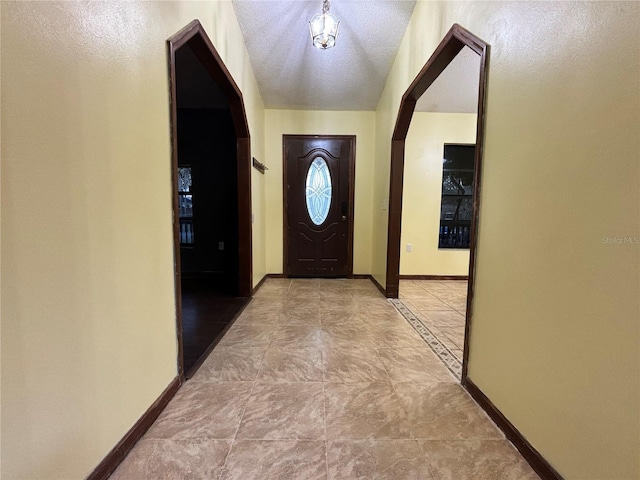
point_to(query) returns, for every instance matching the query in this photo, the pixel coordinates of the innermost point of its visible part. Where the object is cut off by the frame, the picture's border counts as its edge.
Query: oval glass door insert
(318, 191)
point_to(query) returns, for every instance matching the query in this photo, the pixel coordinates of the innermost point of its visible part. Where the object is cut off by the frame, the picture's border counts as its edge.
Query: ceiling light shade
(324, 28)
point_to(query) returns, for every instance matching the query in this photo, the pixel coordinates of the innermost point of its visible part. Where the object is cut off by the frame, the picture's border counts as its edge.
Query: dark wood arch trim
(454, 41)
(198, 40)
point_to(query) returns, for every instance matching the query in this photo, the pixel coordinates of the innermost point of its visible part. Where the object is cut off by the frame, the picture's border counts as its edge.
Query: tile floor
(441, 306)
(323, 379)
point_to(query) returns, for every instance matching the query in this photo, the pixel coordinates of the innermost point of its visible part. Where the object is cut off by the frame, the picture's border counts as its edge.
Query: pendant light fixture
(324, 28)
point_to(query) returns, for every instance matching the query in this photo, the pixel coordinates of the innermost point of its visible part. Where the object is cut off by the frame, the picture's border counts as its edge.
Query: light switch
(409, 247)
(220, 245)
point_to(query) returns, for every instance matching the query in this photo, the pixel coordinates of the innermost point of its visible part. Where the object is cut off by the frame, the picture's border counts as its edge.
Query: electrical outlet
(409, 247)
(220, 245)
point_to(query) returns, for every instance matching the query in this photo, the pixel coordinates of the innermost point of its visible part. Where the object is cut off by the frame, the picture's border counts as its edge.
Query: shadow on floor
(207, 312)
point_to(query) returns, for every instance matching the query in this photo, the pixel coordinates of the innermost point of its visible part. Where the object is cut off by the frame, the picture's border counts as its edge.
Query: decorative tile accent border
(443, 353)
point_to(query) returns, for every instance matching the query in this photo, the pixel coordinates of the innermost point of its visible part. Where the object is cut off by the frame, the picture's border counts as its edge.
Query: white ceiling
(456, 89)
(291, 73)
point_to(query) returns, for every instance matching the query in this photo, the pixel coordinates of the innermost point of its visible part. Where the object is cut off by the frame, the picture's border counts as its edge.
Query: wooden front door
(318, 205)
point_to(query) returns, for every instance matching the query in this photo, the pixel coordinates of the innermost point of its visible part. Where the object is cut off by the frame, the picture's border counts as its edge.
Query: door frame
(352, 178)
(194, 35)
(454, 41)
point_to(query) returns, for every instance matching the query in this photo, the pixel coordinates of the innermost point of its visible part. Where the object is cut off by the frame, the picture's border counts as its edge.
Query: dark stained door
(318, 202)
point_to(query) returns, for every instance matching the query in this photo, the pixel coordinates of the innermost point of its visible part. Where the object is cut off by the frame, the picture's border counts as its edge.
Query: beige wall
(420, 39)
(555, 339)
(255, 114)
(88, 323)
(422, 193)
(88, 311)
(360, 124)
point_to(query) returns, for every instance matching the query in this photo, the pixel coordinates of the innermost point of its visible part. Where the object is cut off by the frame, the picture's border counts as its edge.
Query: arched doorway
(192, 46)
(454, 41)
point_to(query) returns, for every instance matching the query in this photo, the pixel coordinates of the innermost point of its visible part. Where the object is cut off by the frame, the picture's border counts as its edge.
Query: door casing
(350, 220)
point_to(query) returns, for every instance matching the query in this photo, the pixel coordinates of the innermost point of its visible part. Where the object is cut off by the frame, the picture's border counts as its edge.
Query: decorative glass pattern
(184, 179)
(318, 191)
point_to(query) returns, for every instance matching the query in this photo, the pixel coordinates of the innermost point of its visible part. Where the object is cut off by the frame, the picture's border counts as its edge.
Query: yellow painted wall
(88, 310)
(360, 124)
(422, 193)
(255, 115)
(419, 41)
(88, 328)
(555, 337)
(0, 250)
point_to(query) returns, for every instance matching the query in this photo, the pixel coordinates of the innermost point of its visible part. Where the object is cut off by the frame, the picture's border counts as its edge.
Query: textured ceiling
(456, 89)
(291, 73)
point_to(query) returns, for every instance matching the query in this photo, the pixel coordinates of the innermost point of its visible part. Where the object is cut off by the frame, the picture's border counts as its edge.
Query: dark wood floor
(207, 312)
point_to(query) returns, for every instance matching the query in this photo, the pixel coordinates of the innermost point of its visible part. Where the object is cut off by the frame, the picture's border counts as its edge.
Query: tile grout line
(429, 463)
(434, 343)
(445, 354)
(235, 435)
(448, 305)
(393, 387)
(434, 473)
(324, 406)
(326, 439)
